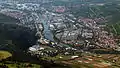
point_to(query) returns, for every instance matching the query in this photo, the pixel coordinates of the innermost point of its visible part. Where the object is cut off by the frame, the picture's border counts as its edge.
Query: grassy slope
(4, 55)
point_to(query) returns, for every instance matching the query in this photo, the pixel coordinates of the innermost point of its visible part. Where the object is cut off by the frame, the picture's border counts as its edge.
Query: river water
(47, 32)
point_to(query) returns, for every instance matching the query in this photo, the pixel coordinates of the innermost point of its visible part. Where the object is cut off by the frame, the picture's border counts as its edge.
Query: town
(61, 32)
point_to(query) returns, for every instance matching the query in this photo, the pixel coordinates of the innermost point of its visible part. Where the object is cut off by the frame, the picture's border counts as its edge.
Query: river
(47, 32)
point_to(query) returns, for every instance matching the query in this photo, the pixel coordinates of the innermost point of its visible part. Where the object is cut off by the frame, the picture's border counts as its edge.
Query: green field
(4, 55)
